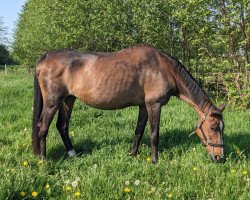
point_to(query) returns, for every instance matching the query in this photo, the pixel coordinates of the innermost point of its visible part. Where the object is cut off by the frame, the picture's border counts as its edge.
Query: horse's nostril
(216, 157)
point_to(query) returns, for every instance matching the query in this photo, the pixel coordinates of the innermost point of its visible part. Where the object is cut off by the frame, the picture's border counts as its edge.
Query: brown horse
(137, 76)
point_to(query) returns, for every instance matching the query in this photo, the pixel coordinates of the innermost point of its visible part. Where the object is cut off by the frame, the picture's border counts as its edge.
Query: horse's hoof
(133, 153)
(154, 160)
(42, 158)
(72, 153)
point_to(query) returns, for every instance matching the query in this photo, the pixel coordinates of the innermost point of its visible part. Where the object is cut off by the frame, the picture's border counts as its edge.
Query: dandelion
(41, 162)
(47, 186)
(34, 194)
(74, 184)
(25, 163)
(137, 182)
(127, 190)
(195, 168)
(22, 193)
(170, 195)
(77, 194)
(233, 171)
(152, 190)
(148, 159)
(72, 133)
(244, 172)
(126, 182)
(68, 188)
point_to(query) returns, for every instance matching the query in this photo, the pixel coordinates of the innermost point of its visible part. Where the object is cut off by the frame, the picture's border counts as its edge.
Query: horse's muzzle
(217, 159)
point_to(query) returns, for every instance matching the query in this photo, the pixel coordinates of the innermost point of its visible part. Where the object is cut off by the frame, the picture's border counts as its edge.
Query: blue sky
(9, 10)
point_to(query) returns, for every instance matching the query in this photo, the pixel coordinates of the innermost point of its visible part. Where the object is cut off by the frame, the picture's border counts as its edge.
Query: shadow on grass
(168, 140)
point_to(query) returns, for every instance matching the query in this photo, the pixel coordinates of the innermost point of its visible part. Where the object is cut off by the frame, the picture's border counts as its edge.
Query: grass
(103, 140)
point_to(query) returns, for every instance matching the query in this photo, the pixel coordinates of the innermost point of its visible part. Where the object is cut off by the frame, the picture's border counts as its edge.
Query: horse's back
(107, 81)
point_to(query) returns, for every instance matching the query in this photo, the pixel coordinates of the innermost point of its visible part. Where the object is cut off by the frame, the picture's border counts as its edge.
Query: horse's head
(210, 130)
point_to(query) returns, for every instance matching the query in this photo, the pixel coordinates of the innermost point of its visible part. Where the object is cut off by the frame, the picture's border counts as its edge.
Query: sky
(9, 10)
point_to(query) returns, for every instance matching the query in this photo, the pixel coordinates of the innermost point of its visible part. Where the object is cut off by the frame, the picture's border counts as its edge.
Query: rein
(207, 141)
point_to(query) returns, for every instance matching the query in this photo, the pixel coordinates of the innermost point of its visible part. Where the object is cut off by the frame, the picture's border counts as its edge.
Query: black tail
(37, 110)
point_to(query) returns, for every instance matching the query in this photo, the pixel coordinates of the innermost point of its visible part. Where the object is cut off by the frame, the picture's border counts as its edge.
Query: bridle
(205, 139)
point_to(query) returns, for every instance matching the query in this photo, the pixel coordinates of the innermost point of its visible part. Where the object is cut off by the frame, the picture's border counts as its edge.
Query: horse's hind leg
(141, 123)
(47, 115)
(64, 114)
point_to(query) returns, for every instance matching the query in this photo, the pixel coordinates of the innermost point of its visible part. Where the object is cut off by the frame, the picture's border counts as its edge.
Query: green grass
(103, 140)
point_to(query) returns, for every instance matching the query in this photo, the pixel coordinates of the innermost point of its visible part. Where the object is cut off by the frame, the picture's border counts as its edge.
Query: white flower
(74, 184)
(126, 182)
(137, 182)
(67, 182)
(77, 179)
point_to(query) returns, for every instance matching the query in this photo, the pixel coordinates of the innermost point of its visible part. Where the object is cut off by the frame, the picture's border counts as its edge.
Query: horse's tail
(37, 110)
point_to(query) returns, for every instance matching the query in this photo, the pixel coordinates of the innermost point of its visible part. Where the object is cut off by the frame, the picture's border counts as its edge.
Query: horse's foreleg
(64, 114)
(47, 115)
(154, 112)
(141, 123)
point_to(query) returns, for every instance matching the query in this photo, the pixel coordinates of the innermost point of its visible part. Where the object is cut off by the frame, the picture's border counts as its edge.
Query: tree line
(207, 36)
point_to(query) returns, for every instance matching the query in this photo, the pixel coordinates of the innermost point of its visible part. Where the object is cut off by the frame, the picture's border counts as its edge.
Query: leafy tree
(4, 55)
(3, 38)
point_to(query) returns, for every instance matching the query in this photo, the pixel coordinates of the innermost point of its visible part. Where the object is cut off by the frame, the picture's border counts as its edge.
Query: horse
(139, 76)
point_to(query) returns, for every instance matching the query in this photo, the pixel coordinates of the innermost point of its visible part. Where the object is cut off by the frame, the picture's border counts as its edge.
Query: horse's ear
(216, 113)
(222, 107)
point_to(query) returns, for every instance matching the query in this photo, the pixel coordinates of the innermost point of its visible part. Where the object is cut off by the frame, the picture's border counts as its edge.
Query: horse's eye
(214, 128)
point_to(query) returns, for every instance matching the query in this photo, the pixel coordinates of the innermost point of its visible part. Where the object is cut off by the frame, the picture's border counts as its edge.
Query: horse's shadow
(168, 140)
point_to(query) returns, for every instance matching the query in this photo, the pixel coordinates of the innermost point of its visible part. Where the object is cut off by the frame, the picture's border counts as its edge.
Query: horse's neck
(200, 109)
(198, 99)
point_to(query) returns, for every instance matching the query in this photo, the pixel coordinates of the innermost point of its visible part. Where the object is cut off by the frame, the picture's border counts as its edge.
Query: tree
(4, 55)
(3, 39)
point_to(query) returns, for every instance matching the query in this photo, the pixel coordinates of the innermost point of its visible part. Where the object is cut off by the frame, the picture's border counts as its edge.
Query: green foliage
(103, 139)
(4, 55)
(3, 39)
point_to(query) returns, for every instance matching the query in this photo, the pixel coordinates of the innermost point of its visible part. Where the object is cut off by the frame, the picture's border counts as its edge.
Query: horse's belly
(112, 99)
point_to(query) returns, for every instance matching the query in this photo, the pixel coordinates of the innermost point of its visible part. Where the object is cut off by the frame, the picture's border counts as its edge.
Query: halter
(207, 141)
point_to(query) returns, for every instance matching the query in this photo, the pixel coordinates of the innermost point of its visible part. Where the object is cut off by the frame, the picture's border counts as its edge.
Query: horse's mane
(190, 86)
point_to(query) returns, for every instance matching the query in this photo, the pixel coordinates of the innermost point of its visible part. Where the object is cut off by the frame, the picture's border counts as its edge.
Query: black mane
(190, 86)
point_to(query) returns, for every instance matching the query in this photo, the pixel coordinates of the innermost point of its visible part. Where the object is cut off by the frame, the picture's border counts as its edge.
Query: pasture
(103, 169)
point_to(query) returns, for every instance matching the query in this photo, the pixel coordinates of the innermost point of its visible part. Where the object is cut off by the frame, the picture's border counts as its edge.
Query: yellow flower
(152, 190)
(47, 186)
(78, 194)
(148, 159)
(72, 133)
(170, 195)
(68, 188)
(233, 171)
(25, 163)
(34, 194)
(22, 194)
(127, 189)
(40, 162)
(244, 172)
(195, 168)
